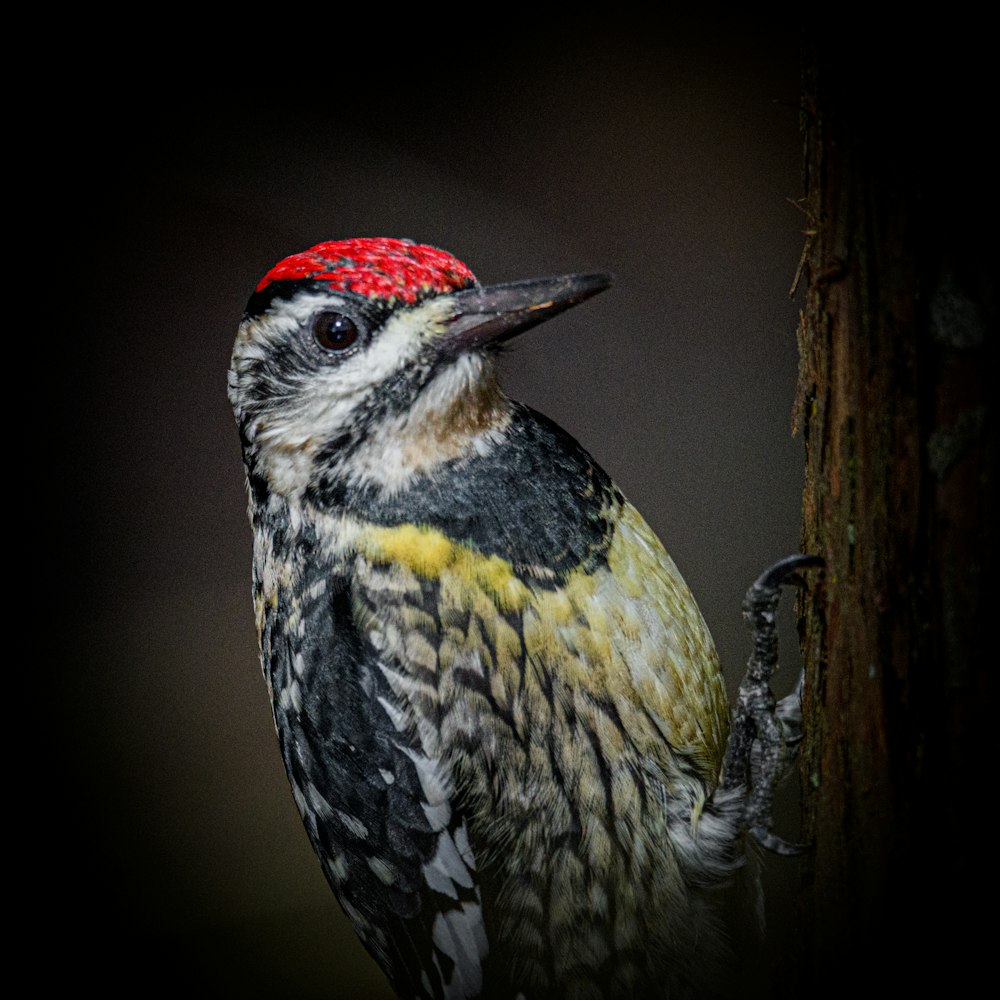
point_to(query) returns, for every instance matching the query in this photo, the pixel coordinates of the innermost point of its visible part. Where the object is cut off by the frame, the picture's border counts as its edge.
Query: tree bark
(895, 404)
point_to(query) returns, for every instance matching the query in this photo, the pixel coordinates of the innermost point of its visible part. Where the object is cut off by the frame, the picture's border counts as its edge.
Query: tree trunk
(898, 351)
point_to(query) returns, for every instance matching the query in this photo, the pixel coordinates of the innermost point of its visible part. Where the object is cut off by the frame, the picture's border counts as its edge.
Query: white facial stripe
(400, 341)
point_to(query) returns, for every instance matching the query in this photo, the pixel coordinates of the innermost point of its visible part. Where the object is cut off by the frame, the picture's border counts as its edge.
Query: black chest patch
(537, 500)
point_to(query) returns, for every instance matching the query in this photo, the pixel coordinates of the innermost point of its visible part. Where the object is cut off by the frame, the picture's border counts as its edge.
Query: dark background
(167, 844)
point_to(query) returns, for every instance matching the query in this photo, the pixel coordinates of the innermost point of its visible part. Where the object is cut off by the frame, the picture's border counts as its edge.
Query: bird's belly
(582, 722)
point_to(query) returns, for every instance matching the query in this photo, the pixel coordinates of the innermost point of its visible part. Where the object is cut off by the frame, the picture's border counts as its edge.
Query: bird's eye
(334, 331)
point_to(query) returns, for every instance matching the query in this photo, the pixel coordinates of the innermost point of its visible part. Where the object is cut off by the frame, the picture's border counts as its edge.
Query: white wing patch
(461, 936)
(448, 868)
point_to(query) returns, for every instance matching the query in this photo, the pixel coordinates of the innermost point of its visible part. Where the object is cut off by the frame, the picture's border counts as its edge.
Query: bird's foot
(765, 734)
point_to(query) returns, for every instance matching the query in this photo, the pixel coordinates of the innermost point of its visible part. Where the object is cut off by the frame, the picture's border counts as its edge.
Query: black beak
(491, 315)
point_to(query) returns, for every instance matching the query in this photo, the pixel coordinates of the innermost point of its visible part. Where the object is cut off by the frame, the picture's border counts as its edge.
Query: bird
(501, 712)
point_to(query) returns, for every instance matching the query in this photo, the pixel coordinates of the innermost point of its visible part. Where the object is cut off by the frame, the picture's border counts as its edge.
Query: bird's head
(366, 362)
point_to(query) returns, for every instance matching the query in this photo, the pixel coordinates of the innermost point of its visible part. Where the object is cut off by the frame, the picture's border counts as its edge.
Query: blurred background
(167, 840)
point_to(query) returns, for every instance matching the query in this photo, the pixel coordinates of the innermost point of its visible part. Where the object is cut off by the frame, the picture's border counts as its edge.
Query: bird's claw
(765, 734)
(782, 573)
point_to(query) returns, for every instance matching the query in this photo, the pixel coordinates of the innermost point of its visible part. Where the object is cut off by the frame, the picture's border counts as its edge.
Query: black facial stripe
(392, 398)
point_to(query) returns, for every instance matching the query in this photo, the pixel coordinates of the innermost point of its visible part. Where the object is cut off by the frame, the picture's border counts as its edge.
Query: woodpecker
(500, 710)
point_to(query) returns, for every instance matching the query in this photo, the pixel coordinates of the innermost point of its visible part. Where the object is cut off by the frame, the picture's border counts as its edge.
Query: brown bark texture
(895, 404)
